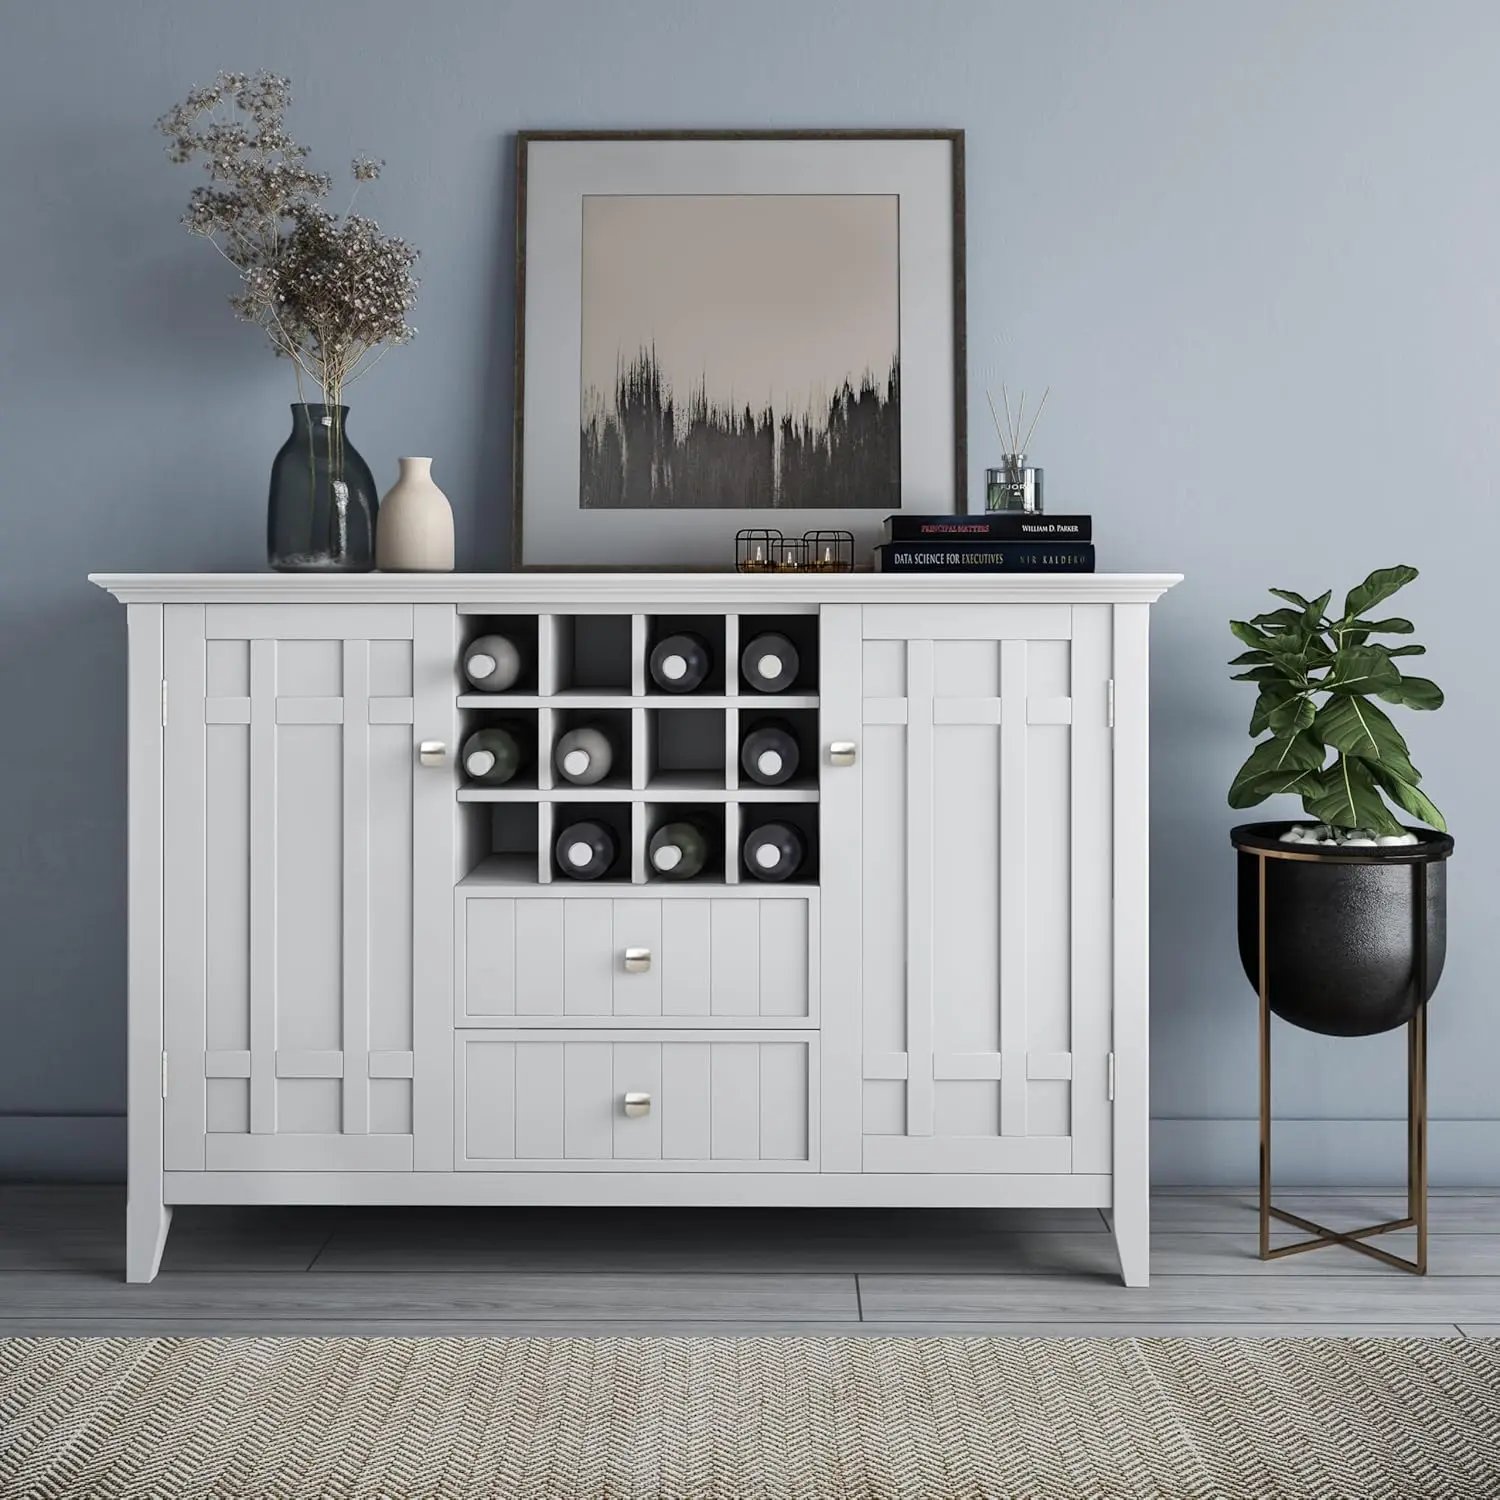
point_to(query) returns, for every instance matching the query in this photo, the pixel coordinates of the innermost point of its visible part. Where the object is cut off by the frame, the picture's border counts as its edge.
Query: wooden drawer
(557, 1101)
(710, 960)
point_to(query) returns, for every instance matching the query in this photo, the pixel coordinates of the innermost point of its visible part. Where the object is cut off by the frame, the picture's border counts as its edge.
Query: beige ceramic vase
(414, 526)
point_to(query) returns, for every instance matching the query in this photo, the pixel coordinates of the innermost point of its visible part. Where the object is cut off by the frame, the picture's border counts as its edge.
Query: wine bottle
(680, 663)
(774, 851)
(586, 850)
(492, 663)
(493, 755)
(584, 755)
(680, 850)
(769, 663)
(769, 752)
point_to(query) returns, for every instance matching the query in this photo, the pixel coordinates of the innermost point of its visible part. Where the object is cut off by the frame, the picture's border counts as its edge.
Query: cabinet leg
(146, 1225)
(1132, 1227)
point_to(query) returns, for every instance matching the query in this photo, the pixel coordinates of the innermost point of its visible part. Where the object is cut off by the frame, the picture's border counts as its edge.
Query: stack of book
(992, 542)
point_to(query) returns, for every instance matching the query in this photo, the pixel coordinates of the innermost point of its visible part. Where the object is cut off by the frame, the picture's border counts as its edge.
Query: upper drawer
(675, 960)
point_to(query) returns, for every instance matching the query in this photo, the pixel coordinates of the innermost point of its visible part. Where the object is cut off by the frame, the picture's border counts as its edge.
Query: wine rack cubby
(591, 655)
(523, 631)
(686, 749)
(706, 818)
(798, 816)
(800, 630)
(711, 629)
(673, 754)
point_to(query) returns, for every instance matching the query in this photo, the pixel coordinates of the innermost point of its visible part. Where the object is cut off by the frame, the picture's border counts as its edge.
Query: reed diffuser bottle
(1016, 484)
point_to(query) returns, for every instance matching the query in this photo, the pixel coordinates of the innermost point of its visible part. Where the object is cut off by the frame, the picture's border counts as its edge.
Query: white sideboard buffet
(356, 977)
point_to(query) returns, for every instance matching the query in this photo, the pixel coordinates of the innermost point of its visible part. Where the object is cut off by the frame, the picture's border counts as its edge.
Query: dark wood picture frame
(524, 139)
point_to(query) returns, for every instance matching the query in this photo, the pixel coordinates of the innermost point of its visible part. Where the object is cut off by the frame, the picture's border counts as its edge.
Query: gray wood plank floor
(677, 1272)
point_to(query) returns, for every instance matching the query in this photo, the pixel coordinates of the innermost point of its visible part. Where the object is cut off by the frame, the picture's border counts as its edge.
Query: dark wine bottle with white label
(586, 850)
(680, 663)
(492, 663)
(769, 663)
(493, 755)
(584, 755)
(680, 850)
(769, 752)
(774, 851)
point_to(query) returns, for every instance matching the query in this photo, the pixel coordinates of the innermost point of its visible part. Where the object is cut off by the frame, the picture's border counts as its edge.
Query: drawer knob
(637, 1105)
(432, 752)
(841, 753)
(637, 961)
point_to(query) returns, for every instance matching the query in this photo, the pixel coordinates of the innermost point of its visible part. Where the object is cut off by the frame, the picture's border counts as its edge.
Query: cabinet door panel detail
(715, 961)
(558, 1102)
(290, 872)
(985, 797)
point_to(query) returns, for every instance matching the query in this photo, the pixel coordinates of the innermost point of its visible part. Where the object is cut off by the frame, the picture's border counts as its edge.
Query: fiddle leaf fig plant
(1318, 678)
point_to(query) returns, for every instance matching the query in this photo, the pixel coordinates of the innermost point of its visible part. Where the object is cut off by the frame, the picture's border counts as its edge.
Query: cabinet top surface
(651, 591)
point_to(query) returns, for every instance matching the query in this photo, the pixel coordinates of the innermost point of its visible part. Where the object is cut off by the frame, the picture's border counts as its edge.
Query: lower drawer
(540, 1101)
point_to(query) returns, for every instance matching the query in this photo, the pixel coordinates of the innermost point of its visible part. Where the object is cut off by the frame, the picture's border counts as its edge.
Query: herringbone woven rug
(1045, 1419)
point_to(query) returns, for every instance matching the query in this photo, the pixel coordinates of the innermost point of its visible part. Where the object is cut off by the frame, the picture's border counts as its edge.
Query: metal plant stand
(1416, 1111)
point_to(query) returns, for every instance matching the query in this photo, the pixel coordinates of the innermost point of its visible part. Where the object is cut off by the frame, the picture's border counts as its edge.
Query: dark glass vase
(321, 517)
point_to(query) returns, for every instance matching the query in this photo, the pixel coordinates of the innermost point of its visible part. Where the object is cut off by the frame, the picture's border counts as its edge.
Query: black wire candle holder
(757, 550)
(763, 549)
(830, 551)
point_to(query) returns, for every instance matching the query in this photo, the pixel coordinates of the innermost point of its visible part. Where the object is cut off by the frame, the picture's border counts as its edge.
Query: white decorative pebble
(1398, 838)
(1352, 843)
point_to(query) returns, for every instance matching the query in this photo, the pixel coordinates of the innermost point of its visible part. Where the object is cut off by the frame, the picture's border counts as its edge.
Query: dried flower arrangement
(331, 294)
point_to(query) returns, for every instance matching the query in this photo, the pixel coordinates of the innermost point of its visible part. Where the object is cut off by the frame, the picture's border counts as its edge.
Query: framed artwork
(718, 330)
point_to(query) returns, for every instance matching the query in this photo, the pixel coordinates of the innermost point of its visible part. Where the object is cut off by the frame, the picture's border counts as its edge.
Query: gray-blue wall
(1254, 248)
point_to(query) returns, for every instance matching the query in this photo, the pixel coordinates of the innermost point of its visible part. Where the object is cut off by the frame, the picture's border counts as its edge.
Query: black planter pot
(1344, 927)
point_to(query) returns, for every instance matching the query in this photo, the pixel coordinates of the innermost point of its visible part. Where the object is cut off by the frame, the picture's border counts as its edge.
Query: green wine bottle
(492, 756)
(679, 850)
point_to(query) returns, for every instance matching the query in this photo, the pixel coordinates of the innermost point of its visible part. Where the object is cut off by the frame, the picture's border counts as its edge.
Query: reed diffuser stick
(1035, 415)
(995, 418)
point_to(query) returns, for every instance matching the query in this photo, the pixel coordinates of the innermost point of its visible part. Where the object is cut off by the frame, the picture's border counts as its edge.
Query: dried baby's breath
(331, 293)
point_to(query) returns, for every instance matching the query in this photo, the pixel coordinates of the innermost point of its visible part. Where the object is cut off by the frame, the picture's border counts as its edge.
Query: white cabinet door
(292, 952)
(967, 887)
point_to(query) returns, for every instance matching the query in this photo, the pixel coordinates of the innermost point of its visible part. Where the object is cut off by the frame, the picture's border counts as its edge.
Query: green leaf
(1291, 597)
(1381, 584)
(1286, 753)
(1263, 674)
(1413, 692)
(1293, 714)
(1393, 626)
(1355, 726)
(1405, 795)
(1272, 695)
(1277, 783)
(1314, 608)
(1349, 798)
(1244, 631)
(1406, 650)
(1250, 658)
(1360, 669)
(1287, 619)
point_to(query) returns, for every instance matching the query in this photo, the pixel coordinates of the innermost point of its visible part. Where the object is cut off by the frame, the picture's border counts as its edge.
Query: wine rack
(676, 754)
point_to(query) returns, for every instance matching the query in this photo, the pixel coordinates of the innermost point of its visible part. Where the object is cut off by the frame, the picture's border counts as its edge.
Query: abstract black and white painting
(740, 352)
(733, 329)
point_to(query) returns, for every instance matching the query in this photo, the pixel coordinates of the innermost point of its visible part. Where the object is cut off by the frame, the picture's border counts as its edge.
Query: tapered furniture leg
(146, 1225)
(1132, 1227)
